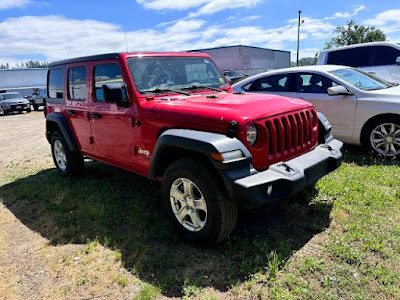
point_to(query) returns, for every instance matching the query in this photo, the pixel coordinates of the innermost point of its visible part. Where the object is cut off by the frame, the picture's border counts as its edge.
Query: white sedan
(363, 109)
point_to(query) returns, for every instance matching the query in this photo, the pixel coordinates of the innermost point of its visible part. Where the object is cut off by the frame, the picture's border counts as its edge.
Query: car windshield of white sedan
(362, 80)
(11, 96)
(169, 73)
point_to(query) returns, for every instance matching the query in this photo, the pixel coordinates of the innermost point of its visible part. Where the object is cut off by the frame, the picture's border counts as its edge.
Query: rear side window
(107, 73)
(364, 56)
(273, 83)
(56, 83)
(77, 83)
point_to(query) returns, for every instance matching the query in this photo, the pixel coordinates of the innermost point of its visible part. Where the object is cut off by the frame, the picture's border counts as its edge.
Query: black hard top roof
(85, 59)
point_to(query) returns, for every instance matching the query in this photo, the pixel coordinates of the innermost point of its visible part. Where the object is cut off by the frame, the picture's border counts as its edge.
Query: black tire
(74, 160)
(369, 127)
(36, 107)
(221, 210)
(28, 110)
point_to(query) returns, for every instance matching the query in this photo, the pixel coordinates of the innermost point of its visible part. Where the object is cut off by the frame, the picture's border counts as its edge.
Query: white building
(23, 80)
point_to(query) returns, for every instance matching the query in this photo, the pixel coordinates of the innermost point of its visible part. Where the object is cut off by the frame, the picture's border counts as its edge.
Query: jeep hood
(225, 107)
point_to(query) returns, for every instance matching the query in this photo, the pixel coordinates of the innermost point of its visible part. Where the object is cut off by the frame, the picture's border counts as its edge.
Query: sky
(52, 30)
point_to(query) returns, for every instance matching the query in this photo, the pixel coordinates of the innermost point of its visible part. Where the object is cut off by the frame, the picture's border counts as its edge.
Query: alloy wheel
(188, 204)
(59, 155)
(385, 139)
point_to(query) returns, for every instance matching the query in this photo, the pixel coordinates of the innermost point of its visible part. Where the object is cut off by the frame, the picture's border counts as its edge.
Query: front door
(112, 126)
(340, 110)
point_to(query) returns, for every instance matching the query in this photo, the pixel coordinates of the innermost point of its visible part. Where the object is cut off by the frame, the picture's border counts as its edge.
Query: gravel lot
(22, 137)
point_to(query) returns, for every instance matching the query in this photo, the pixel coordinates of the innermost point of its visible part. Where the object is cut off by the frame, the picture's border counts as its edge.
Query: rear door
(278, 84)
(112, 126)
(78, 105)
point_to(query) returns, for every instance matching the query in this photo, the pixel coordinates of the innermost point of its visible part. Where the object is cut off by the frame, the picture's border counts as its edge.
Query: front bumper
(18, 107)
(287, 178)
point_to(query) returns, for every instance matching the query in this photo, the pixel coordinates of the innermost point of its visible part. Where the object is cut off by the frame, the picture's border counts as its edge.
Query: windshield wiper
(158, 91)
(199, 86)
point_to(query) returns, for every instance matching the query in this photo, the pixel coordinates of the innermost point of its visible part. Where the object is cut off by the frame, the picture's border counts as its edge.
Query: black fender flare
(202, 143)
(66, 130)
(324, 129)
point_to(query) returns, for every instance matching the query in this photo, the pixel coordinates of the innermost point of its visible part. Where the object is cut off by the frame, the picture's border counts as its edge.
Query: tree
(33, 64)
(353, 33)
(4, 66)
(306, 61)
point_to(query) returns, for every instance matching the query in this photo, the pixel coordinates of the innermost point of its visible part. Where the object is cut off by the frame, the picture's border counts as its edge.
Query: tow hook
(287, 167)
(327, 147)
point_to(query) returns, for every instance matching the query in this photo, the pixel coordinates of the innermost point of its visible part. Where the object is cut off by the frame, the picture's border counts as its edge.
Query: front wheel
(196, 203)
(66, 161)
(383, 136)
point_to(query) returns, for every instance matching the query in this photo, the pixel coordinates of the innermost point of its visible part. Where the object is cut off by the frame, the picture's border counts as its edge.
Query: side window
(77, 83)
(313, 83)
(273, 83)
(56, 83)
(107, 73)
(385, 55)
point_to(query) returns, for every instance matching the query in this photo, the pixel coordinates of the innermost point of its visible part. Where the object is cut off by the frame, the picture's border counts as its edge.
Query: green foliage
(33, 64)
(352, 33)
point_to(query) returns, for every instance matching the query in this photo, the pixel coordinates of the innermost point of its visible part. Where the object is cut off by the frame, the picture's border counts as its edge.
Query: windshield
(11, 96)
(174, 73)
(362, 80)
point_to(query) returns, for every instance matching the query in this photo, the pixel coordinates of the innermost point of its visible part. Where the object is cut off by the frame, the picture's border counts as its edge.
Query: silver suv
(10, 102)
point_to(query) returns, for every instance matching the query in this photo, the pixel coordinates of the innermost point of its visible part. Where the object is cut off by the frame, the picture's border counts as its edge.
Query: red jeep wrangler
(173, 117)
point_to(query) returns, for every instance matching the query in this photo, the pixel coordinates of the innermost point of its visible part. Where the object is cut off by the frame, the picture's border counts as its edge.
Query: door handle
(71, 112)
(95, 116)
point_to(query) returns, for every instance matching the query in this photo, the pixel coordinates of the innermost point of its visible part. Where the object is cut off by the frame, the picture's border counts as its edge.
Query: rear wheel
(196, 203)
(383, 136)
(66, 161)
(36, 107)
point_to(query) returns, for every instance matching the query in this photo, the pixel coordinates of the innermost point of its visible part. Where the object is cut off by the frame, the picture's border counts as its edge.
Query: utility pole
(298, 36)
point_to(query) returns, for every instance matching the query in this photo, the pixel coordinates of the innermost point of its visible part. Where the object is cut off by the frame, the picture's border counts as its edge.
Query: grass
(340, 239)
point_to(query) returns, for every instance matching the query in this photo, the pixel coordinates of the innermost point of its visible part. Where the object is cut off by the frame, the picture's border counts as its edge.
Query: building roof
(235, 46)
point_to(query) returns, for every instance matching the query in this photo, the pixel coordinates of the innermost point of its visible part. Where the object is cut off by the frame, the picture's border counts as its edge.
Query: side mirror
(398, 61)
(113, 93)
(338, 90)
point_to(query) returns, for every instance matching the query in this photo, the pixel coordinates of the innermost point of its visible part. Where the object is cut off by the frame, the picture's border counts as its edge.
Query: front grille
(290, 132)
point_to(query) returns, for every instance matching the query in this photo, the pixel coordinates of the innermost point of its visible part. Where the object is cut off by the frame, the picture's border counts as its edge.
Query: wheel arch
(173, 144)
(373, 119)
(57, 121)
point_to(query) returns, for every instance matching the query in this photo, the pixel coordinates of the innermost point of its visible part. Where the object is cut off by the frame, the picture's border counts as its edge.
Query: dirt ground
(23, 137)
(29, 265)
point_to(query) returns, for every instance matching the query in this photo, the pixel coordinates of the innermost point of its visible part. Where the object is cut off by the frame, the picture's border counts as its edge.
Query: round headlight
(252, 135)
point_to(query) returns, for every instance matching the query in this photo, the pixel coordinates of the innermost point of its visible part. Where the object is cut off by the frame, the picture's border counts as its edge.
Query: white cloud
(205, 7)
(7, 4)
(214, 6)
(346, 14)
(171, 4)
(388, 21)
(56, 37)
